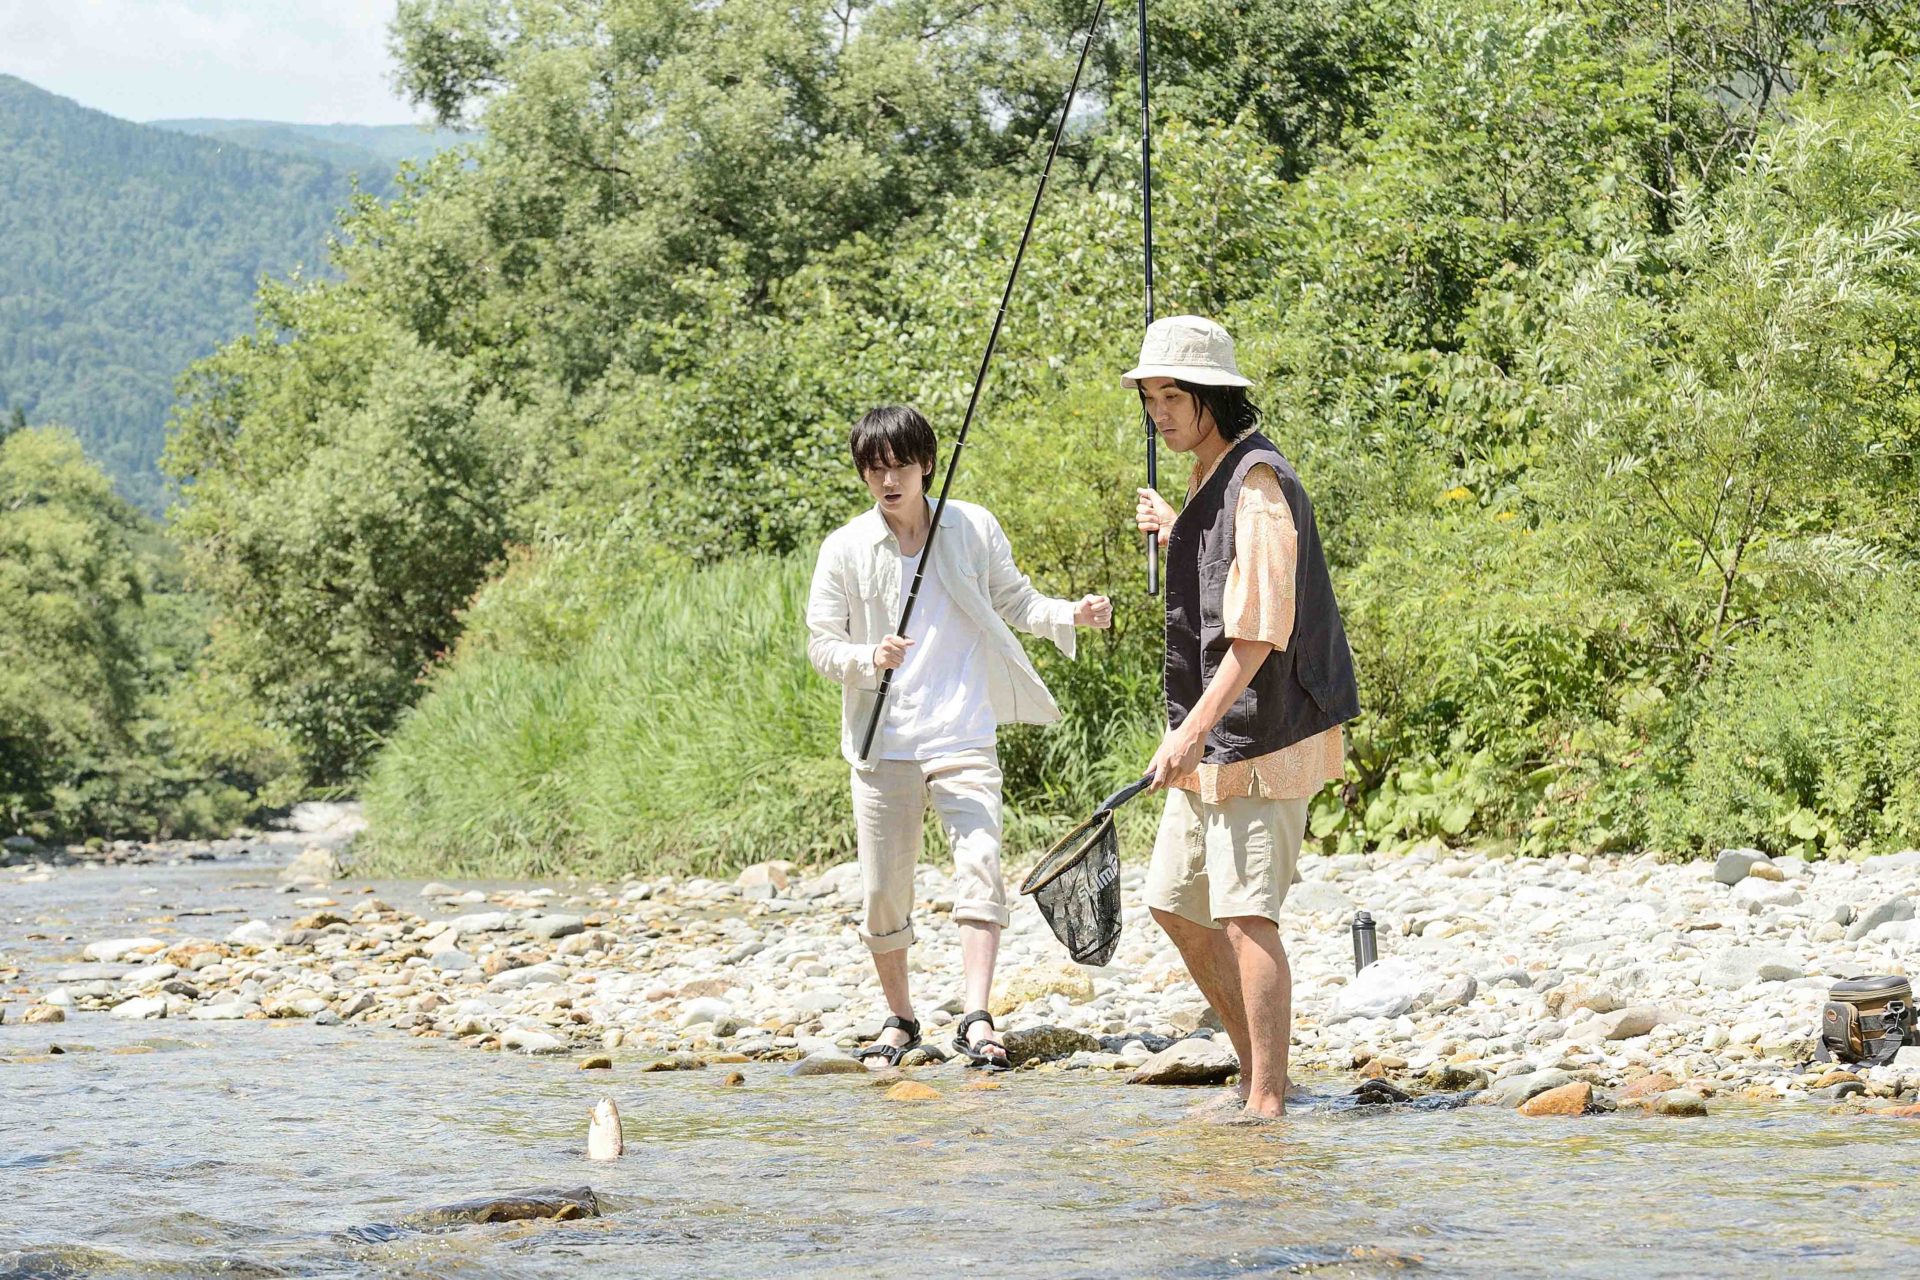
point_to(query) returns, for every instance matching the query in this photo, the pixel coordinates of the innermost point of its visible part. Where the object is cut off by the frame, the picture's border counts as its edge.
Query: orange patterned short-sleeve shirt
(1259, 606)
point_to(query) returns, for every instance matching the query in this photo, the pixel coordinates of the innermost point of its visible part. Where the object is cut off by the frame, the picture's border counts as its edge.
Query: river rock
(1384, 989)
(1317, 897)
(1732, 866)
(1028, 985)
(1454, 993)
(314, 864)
(434, 889)
(912, 1091)
(556, 926)
(1736, 967)
(1647, 1086)
(1190, 1061)
(827, 1064)
(776, 876)
(1625, 1024)
(89, 973)
(705, 1009)
(254, 933)
(1886, 913)
(45, 1013)
(1031, 1044)
(113, 950)
(1680, 1102)
(534, 975)
(141, 1007)
(1757, 895)
(452, 959)
(1766, 871)
(527, 1040)
(1516, 1089)
(1566, 1100)
(481, 922)
(677, 1062)
(1570, 997)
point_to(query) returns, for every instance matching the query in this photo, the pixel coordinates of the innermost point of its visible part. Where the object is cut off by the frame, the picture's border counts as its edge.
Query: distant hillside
(371, 151)
(128, 251)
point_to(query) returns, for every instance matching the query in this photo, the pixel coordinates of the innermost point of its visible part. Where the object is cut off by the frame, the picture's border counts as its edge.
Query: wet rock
(1454, 1078)
(45, 1013)
(677, 1062)
(1191, 1061)
(1516, 1089)
(1566, 1100)
(734, 1080)
(141, 1007)
(1732, 866)
(925, 1055)
(912, 1091)
(1680, 1102)
(527, 1040)
(827, 1064)
(1647, 1086)
(1031, 1044)
(522, 1206)
(596, 1062)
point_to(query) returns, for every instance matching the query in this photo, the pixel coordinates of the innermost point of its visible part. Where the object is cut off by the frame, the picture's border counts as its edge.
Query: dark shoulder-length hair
(1234, 412)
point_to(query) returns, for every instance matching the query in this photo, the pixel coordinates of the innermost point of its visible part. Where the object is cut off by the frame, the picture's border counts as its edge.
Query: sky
(306, 61)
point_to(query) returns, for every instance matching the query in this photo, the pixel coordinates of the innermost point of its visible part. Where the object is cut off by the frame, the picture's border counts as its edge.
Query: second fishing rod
(979, 381)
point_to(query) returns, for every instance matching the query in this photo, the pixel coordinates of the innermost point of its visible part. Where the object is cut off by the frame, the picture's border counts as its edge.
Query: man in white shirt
(956, 679)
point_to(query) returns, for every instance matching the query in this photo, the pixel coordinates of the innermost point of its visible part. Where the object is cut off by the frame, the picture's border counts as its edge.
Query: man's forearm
(1236, 672)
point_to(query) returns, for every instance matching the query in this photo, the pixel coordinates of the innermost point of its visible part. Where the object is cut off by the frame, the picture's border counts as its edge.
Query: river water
(285, 1149)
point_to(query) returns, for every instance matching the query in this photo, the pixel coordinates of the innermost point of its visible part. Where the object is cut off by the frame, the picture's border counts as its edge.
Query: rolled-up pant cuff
(898, 940)
(980, 911)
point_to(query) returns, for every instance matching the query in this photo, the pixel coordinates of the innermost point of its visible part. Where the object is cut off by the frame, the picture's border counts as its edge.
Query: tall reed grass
(689, 734)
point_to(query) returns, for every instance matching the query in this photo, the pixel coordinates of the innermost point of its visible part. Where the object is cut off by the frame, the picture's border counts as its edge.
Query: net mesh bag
(1077, 888)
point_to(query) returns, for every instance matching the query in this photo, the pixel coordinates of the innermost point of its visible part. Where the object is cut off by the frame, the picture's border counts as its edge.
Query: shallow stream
(287, 1149)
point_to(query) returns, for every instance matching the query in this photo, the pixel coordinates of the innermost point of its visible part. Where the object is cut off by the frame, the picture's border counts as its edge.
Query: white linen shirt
(854, 604)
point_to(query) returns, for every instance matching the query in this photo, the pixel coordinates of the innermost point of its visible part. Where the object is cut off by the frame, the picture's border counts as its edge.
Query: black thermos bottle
(1365, 952)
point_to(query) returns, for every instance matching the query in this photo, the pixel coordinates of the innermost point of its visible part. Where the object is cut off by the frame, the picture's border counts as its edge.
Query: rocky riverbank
(1601, 982)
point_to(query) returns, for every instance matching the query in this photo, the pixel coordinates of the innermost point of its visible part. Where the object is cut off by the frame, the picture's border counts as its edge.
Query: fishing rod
(1146, 226)
(980, 378)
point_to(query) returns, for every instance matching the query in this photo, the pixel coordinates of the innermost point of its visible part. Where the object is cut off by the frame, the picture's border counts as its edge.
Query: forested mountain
(127, 252)
(372, 152)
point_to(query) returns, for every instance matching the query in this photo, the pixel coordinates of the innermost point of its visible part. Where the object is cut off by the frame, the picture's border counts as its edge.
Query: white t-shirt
(938, 704)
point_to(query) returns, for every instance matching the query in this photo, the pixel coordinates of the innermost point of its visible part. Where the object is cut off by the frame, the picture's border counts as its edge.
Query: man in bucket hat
(1259, 680)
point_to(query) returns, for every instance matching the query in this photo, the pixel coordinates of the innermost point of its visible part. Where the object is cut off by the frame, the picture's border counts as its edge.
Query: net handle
(1124, 794)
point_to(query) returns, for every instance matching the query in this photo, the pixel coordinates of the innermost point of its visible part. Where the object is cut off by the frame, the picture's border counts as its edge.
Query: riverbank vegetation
(1593, 333)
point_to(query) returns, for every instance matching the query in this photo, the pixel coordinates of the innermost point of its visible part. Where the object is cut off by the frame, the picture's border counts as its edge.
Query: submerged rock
(522, 1206)
(1032, 1044)
(1191, 1061)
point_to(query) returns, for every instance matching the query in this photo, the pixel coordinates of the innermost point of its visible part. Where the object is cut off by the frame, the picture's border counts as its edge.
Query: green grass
(686, 734)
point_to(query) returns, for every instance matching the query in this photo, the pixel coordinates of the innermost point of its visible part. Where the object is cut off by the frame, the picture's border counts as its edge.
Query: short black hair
(1234, 412)
(895, 432)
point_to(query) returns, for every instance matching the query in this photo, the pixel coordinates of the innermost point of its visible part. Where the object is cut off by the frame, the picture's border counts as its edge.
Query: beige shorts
(889, 813)
(1212, 862)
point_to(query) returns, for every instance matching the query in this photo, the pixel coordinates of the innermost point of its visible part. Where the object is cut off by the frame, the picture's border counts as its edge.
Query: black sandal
(976, 1054)
(893, 1052)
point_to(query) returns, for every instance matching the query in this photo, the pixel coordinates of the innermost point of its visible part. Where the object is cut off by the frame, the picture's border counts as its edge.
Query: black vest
(1299, 691)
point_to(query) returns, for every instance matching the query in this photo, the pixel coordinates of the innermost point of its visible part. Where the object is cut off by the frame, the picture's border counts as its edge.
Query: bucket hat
(1190, 348)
